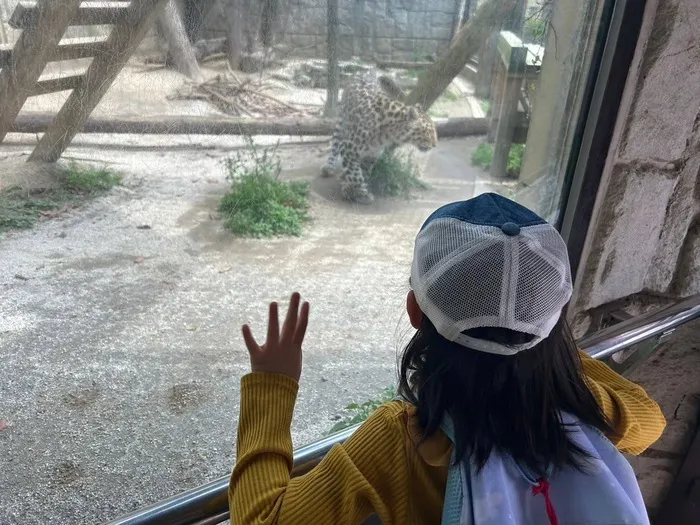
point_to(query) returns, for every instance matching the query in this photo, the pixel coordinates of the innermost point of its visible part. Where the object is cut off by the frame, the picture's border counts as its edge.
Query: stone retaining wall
(405, 30)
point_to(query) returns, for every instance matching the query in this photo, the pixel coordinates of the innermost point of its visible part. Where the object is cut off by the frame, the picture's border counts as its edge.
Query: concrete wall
(644, 240)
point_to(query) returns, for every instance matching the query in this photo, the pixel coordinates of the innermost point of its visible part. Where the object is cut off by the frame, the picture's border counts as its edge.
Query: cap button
(511, 229)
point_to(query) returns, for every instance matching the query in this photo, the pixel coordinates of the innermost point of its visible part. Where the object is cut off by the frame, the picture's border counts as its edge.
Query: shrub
(259, 204)
(393, 175)
(483, 157)
(359, 413)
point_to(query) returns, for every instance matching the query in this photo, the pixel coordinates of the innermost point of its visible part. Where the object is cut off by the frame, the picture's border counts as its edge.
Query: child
(501, 421)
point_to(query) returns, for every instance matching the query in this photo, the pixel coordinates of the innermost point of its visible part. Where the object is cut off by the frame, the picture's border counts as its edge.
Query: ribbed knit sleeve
(367, 474)
(635, 417)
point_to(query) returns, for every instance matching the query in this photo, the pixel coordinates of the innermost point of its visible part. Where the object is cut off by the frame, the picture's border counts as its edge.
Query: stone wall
(406, 30)
(644, 240)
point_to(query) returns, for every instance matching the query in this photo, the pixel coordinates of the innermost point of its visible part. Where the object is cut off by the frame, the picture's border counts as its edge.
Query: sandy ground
(119, 381)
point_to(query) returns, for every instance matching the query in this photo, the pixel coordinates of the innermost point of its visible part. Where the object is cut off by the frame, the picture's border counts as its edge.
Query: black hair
(497, 402)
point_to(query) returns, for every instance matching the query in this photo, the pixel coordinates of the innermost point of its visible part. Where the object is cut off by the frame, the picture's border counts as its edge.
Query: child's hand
(281, 353)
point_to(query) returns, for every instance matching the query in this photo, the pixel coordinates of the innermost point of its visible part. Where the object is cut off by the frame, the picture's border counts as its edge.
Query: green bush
(359, 413)
(394, 176)
(259, 204)
(515, 159)
(482, 156)
(21, 208)
(535, 30)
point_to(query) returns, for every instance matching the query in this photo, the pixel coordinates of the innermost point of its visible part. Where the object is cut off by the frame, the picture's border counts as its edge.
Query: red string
(542, 487)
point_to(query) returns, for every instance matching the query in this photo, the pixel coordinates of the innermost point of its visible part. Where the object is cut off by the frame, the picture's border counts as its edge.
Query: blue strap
(457, 493)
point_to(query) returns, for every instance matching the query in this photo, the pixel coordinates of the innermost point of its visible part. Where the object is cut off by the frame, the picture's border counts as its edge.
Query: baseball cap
(490, 262)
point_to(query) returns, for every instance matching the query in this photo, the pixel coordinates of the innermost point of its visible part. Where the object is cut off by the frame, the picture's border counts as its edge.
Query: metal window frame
(605, 87)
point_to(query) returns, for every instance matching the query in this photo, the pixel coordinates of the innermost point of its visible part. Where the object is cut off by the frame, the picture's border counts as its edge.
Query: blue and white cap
(490, 262)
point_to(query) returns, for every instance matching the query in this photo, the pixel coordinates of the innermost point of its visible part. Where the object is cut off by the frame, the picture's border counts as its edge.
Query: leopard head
(422, 133)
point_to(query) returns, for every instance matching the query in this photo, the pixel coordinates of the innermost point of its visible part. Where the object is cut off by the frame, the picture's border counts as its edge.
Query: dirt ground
(119, 381)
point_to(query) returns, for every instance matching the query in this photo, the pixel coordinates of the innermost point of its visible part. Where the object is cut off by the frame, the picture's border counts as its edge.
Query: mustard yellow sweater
(379, 469)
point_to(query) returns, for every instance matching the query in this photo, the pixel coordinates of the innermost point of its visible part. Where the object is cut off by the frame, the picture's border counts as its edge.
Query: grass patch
(259, 204)
(21, 208)
(394, 176)
(357, 413)
(485, 106)
(450, 96)
(412, 73)
(438, 114)
(482, 157)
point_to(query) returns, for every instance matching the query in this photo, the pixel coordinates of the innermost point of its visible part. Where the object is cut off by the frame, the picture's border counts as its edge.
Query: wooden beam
(29, 56)
(90, 13)
(68, 49)
(54, 85)
(123, 40)
(190, 125)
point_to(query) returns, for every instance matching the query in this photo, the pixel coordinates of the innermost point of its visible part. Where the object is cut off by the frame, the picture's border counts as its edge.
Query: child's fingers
(249, 340)
(302, 324)
(273, 327)
(290, 321)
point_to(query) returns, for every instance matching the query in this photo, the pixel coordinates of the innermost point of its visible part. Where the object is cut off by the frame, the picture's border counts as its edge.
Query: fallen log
(177, 125)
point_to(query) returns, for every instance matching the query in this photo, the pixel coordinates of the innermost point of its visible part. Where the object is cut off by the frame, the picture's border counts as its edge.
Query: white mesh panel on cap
(467, 276)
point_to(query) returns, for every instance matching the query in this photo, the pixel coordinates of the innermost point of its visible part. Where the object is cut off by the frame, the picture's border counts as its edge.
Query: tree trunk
(234, 12)
(270, 8)
(515, 21)
(460, 7)
(174, 125)
(179, 47)
(331, 108)
(466, 43)
(195, 13)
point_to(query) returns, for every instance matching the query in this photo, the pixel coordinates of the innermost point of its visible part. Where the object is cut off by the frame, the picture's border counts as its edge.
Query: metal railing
(208, 504)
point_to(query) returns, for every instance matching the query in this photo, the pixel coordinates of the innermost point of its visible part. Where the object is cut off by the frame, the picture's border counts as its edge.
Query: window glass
(199, 189)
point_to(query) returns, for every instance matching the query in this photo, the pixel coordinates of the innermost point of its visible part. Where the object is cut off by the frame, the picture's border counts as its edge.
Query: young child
(501, 419)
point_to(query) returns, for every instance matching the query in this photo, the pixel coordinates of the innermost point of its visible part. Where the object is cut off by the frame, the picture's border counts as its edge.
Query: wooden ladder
(43, 24)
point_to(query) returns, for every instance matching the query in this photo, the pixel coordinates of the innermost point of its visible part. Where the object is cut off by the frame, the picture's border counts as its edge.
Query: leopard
(373, 117)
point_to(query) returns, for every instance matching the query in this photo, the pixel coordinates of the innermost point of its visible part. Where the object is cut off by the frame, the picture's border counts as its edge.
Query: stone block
(443, 6)
(667, 99)
(403, 44)
(400, 20)
(682, 210)
(441, 19)
(382, 46)
(439, 33)
(629, 228)
(689, 264)
(418, 24)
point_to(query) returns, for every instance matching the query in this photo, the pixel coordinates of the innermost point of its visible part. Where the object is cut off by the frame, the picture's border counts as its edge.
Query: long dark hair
(508, 403)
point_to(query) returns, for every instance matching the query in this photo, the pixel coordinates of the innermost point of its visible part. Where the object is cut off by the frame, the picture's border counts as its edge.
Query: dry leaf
(139, 260)
(3, 424)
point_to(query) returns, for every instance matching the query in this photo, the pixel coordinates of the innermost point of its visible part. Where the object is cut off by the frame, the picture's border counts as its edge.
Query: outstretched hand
(281, 353)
